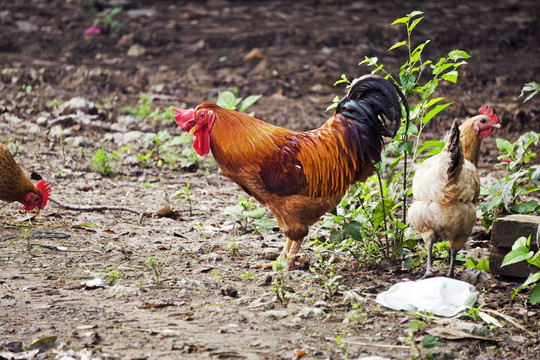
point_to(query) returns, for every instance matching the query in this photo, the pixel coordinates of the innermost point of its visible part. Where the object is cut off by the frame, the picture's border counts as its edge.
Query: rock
(228, 290)
(321, 304)
(261, 304)
(186, 283)
(471, 328)
(275, 314)
(270, 254)
(14, 346)
(136, 50)
(27, 26)
(473, 276)
(42, 120)
(121, 291)
(311, 312)
(58, 131)
(77, 104)
(127, 138)
(78, 141)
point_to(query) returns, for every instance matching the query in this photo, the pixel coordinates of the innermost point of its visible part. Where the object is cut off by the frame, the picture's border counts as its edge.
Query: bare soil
(193, 50)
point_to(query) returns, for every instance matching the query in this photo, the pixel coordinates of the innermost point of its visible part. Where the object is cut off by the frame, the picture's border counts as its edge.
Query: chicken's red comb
(45, 190)
(488, 111)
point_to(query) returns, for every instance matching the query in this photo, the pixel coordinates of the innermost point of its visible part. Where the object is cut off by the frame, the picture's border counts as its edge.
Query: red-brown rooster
(446, 188)
(300, 175)
(16, 186)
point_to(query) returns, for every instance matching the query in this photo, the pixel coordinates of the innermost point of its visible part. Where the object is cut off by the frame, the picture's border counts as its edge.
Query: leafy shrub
(372, 219)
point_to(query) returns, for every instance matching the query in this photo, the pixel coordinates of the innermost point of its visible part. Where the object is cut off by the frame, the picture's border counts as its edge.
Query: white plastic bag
(440, 295)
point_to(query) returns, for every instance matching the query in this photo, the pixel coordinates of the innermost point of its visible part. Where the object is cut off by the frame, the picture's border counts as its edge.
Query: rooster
(16, 186)
(446, 187)
(300, 175)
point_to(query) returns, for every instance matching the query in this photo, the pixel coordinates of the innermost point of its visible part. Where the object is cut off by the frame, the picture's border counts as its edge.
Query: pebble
(228, 290)
(136, 50)
(275, 314)
(311, 312)
(76, 104)
(270, 253)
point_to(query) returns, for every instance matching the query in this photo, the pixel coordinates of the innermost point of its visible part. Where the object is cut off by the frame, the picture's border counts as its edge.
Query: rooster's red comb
(488, 111)
(45, 190)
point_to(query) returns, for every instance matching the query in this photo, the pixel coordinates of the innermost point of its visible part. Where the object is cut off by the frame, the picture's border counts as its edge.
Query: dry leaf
(254, 54)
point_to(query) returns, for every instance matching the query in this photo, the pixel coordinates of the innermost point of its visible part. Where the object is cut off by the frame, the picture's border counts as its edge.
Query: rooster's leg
(430, 271)
(453, 253)
(294, 249)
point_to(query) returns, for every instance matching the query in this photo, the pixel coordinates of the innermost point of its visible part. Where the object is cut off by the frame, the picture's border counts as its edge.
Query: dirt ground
(187, 52)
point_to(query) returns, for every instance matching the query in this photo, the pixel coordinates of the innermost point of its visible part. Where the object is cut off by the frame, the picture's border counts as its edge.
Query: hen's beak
(37, 210)
(497, 125)
(193, 129)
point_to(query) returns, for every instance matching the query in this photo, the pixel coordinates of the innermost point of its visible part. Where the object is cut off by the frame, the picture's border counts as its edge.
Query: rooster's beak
(193, 129)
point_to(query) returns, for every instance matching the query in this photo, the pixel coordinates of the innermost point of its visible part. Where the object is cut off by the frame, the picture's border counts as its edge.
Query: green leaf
(353, 229)
(250, 100)
(255, 213)
(227, 100)
(235, 209)
(266, 223)
(416, 325)
(415, 13)
(525, 207)
(505, 146)
(407, 81)
(451, 76)
(437, 109)
(415, 22)
(432, 102)
(533, 277)
(535, 295)
(522, 253)
(402, 20)
(430, 341)
(396, 45)
(471, 300)
(458, 54)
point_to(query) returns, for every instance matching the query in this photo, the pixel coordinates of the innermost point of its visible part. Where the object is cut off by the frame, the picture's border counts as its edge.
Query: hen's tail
(453, 146)
(373, 105)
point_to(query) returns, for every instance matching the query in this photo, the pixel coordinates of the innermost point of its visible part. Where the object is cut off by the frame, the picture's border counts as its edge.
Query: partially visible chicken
(300, 175)
(446, 187)
(16, 186)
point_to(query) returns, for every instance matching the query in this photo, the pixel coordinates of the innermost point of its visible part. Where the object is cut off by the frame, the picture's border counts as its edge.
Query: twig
(98, 208)
(376, 345)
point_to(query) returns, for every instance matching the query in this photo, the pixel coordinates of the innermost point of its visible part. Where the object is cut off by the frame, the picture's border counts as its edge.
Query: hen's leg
(430, 271)
(453, 254)
(286, 249)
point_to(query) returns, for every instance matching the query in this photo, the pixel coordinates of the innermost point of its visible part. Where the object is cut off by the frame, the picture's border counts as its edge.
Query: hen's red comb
(45, 190)
(488, 111)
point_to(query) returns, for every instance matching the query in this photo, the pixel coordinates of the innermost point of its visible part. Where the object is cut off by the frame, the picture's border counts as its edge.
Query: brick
(504, 233)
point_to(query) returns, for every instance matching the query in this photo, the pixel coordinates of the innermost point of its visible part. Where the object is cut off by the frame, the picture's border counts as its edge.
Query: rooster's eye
(201, 114)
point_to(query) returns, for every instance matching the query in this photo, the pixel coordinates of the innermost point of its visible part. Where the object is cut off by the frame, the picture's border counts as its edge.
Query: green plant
(228, 100)
(473, 312)
(112, 275)
(249, 275)
(374, 212)
(325, 273)
(478, 265)
(217, 277)
(427, 342)
(279, 283)
(521, 251)
(232, 247)
(104, 163)
(187, 195)
(252, 215)
(533, 87)
(156, 266)
(521, 181)
(144, 111)
(108, 22)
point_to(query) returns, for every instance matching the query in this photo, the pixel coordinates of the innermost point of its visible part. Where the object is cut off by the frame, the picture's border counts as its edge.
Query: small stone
(78, 141)
(14, 346)
(275, 314)
(311, 312)
(75, 105)
(136, 50)
(270, 253)
(229, 290)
